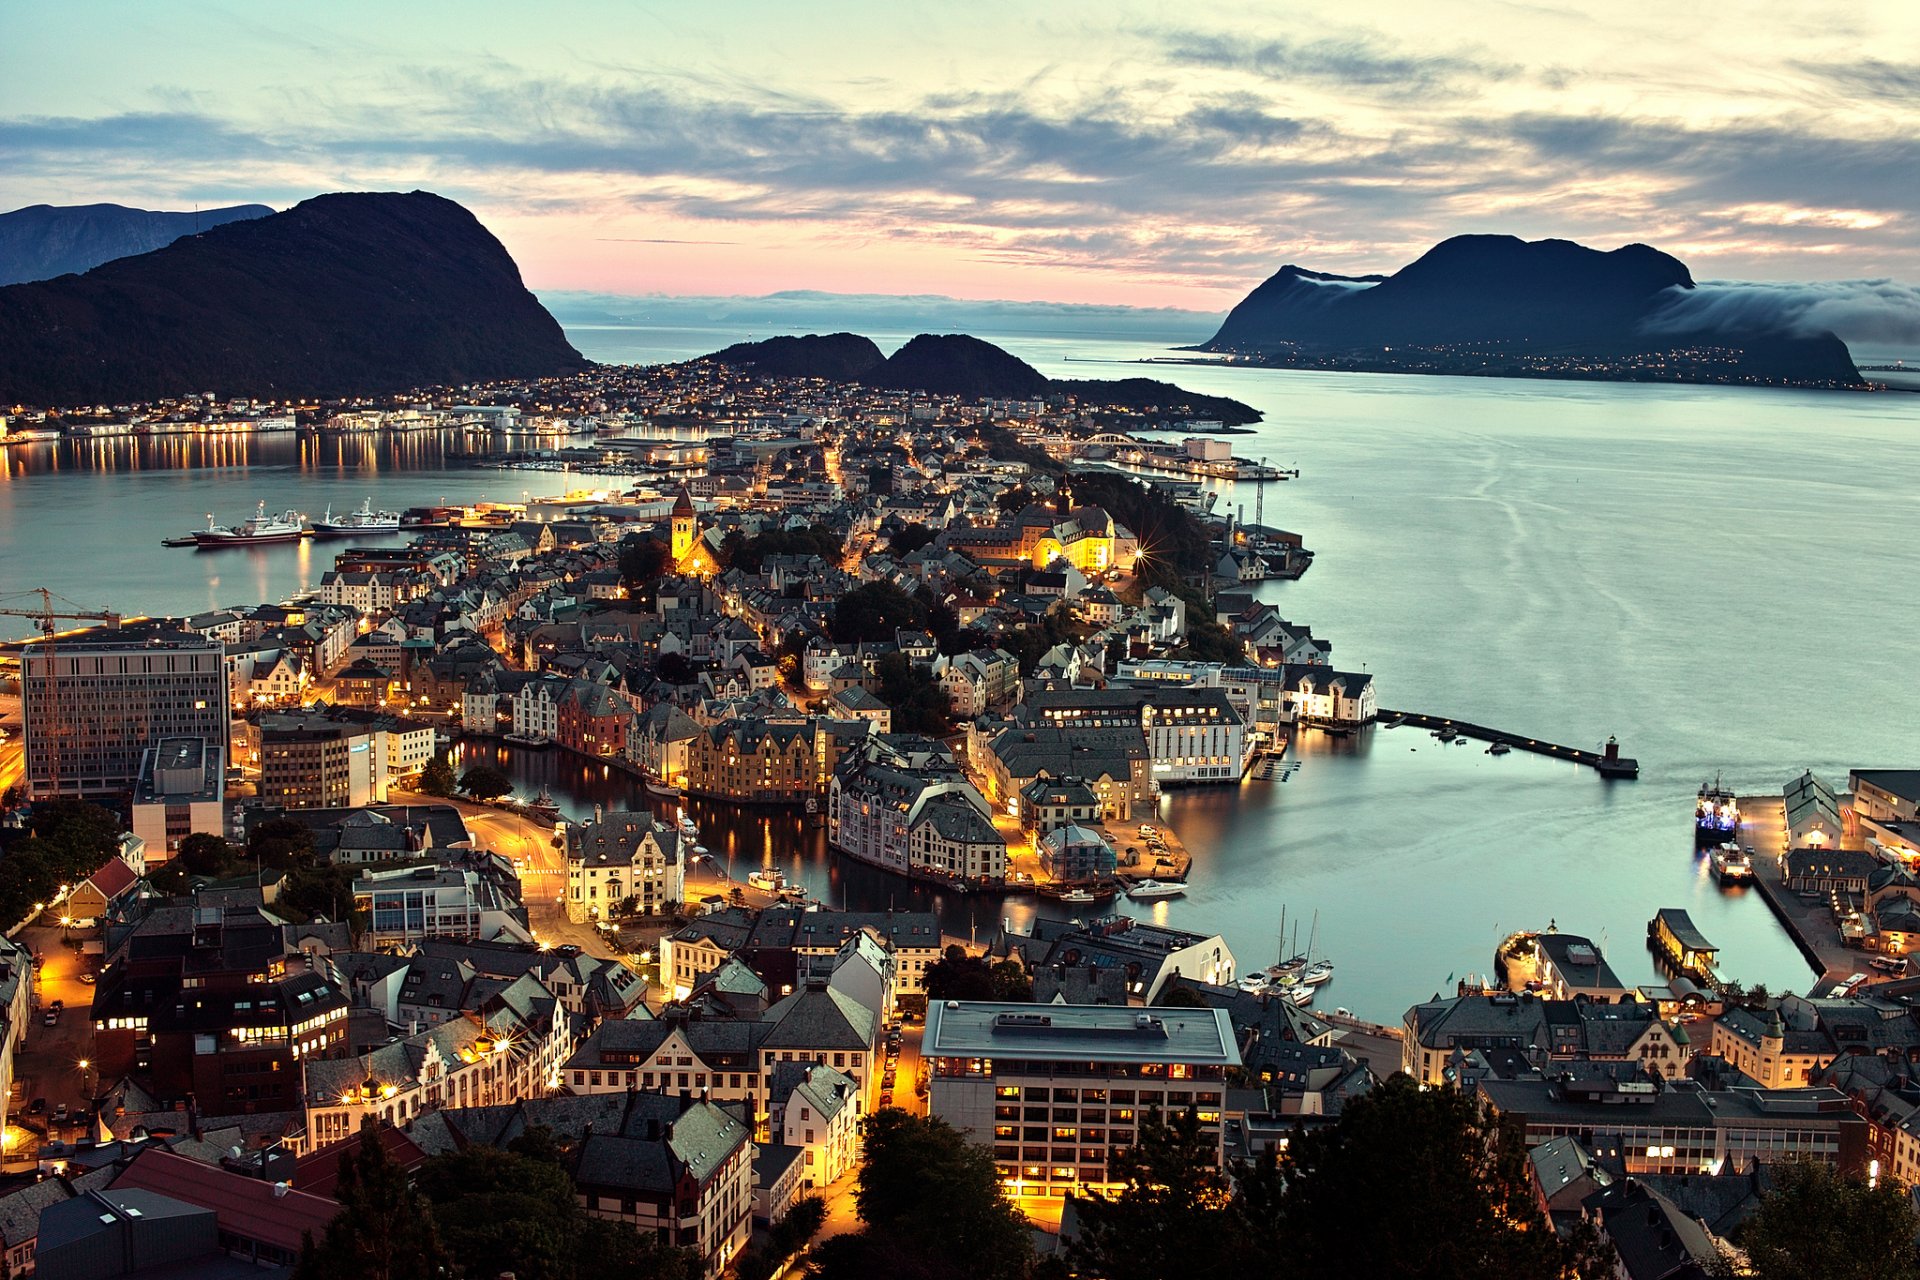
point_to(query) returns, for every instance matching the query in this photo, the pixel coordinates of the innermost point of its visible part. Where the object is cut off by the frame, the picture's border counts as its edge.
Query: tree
(874, 611)
(437, 778)
(909, 539)
(326, 891)
(1008, 980)
(644, 560)
(1816, 1223)
(484, 782)
(675, 668)
(958, 976)
(1174, 1215)
(932, 1208)
(279, 843)
(203, 854)
(788, 1236)
(385, 1229)
(920, 704)
(1461, 1199)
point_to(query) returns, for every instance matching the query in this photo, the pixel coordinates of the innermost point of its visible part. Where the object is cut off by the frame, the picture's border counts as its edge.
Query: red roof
(243, 1206)
(113, 878)
(319, 1171)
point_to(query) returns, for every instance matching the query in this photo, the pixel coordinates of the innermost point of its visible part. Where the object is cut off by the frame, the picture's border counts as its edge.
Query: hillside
(1503, 305)
(342, 294)
(954, 364)
(841, 357)
(42, 241)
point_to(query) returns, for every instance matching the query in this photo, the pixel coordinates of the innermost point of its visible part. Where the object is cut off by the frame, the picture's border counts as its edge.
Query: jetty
(1608, 762)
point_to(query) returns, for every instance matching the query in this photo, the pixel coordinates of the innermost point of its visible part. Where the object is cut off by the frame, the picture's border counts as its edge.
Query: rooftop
(1075, 1033)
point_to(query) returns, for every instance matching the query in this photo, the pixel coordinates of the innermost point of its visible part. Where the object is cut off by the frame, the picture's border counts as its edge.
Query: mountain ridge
(45, 241)
(349, 293)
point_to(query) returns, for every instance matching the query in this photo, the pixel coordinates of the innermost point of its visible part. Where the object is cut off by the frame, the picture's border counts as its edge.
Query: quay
(1609, 763)
(1811, 925)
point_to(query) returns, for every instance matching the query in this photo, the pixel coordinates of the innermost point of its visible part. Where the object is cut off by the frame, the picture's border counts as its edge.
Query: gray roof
(1077, 1033)
(820, 1018)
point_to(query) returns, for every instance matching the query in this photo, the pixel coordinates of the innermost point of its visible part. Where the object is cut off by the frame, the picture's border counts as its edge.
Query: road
(47, 1063)
(13, 762)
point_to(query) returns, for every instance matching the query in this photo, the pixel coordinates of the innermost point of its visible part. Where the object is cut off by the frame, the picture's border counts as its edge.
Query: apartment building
(411, 904)
(181, 789)
(1056, 1090)
(1192, 734)
(619, 856)
(92, 705)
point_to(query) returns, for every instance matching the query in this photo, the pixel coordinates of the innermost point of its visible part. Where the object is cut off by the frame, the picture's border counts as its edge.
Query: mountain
(840, 357)
(956, 364)
(1545, 307)
(342, 294)
(42, 241)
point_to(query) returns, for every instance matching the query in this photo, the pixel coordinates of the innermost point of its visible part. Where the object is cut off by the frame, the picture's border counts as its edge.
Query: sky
(1112, 153)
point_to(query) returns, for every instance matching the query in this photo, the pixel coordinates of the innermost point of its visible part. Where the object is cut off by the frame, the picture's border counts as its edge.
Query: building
(914, 814)
(1568, 965)
(1057, 1090)
(1192, 734)
(262, 1222)
(1050, 803)
(1680, 1127)
(1114, 762)
(1075, 853)
(1812, 814)
(780, 943)
(102, 892)
(182, 789)
(310, 763)
(1147, 955)
(817, 1109)
(769, 762)
(620, 856)
(1762, 1045)
(408, 904)
(92, 705)
(1435, 1033)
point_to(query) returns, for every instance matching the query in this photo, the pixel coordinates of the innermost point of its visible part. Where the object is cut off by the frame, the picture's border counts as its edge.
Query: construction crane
(48, 619)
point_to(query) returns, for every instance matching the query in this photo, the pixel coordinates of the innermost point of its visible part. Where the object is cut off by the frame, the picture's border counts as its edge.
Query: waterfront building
(182, 788)
(1073, 853)
(1763, 1046)
(1825, 869)
(1056, 1090)
(767, 761)
(623, 855)
(1678, 1127)
(920, 818)
(1192, 734)
(1885, 795)
(408, 904)
(1568, 965)
(92, 705)
(1114, 762)
(1812, 814)
(658, 743)
(1149, 955)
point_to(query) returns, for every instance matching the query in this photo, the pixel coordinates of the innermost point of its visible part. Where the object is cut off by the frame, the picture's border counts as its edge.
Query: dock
(1608, 763)
(1811, 925)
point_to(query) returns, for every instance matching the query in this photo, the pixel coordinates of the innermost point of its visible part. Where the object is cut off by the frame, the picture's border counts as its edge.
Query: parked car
(60, 1113)
(89, 977)
(52, 1019)
(37, 1106)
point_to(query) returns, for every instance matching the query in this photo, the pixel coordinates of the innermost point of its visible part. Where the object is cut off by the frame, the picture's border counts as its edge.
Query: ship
(258, 530)
(365, 520)
(1731, 864)
(1143, 889)
(1716, 815)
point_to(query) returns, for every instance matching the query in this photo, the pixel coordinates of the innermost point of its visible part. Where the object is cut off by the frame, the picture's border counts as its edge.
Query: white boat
(1731, 864)
(1156, 889)
(1316, 973)
(365, 520)
(1255, 983)
(1078, 896)
(767, 878)
(1301, 995)
(259, 530)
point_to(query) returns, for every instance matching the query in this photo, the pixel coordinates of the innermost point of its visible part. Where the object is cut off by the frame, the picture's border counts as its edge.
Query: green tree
(1174, 1214)
(958, 976)
(1455, 1181)
(202, 854)
(484, 782)
(919, 703)
(931, 1206)
(644, 560)
(437, 778)
(788, 1236)
(327, 891)
(385, 1229)
(280, 843)
(1008, 980)
(908, 539)
(874, 611)
(1816, 1223)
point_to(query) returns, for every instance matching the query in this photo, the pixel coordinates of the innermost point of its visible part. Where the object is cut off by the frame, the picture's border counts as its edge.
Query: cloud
(1860, 311)
(1870, 78)
(1361, 61)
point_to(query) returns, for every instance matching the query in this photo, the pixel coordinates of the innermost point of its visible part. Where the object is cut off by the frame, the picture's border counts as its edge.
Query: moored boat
(661, 790)
(1716, 814)
(365, 520)
(1076, 896)
(1317, 972)
(258, 530)
(1731, 864)
(1145, 889)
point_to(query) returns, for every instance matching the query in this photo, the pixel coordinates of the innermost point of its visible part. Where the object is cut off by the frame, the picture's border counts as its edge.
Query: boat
(1255, 983)
(531, 740)
(768, 878)
(1301, 995)
(1498, 749)
(544, 806)
(1077, 896)
(1731, 864)
(687, 825)
(365, 520)
(662, 790)
(1156, 889)
(258, 530)
(1446, 735)
(1316, 973)
(181, 540)
(1716, 814)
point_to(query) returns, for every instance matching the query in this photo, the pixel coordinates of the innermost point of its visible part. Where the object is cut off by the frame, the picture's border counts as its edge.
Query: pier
(1609, 763)
(1808, 920)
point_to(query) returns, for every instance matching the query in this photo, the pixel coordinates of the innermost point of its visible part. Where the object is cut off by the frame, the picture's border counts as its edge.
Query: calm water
(1716, 576)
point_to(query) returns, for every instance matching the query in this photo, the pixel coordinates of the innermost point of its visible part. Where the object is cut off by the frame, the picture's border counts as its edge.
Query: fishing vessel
(1731, 864)
(365, 520)
(1498, 749)
(1145, 889)
(768, 878)
(544, 806)
(1077, 896)
(259, 530)
(1716, 814)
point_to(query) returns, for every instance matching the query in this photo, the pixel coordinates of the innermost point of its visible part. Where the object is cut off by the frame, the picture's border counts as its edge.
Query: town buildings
(620, 857)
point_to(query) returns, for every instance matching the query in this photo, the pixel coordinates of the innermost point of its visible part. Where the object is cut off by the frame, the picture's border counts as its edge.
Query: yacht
(1498, 749)
(1301, 995)
(365, 520)
(1316, 973)
(1731, 864)
(258, 530)
(1077, 896)
(770, 879)
(1156, 889)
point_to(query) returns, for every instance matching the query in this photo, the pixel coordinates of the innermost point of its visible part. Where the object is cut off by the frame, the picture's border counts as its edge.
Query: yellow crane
(48, 619)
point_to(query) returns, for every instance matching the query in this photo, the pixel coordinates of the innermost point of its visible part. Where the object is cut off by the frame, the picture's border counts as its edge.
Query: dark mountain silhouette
(342, 294)
(42, 241)
(1534, 300)
(841, 357)
(955, 364)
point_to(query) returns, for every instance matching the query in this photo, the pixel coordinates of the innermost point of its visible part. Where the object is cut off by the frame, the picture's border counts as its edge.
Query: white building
(408, 904)
(620, 856)
(816, 1109)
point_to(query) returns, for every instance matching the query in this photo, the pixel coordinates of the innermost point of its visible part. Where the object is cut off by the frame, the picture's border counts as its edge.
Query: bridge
(1609, 763)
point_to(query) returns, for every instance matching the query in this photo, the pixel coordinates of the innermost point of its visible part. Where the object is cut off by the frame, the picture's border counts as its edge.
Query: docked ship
(260, 530)
(1731, 865)
(365, 520)
(1716, 815)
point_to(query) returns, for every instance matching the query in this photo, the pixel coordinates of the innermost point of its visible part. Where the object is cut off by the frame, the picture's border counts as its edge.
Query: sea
(1721, 578)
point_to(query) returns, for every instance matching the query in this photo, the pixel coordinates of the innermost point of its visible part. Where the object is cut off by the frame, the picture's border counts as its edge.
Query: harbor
(1607, 761)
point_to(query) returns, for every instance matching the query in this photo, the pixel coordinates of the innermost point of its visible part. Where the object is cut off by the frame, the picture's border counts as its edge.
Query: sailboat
(1287, 971)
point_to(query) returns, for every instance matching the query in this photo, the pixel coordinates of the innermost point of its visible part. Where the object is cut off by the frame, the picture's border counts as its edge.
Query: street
(47, 1063)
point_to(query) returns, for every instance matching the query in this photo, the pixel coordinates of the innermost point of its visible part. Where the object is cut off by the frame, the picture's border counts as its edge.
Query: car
(60, 1113)
(58, 1005)
(52, 1019)
(37, 1106)
(89, 977)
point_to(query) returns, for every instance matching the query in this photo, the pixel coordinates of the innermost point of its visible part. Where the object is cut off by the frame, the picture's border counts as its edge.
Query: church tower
(686, 527)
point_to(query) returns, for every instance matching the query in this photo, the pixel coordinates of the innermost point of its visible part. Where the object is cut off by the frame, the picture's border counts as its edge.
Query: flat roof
(1078, 1033)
